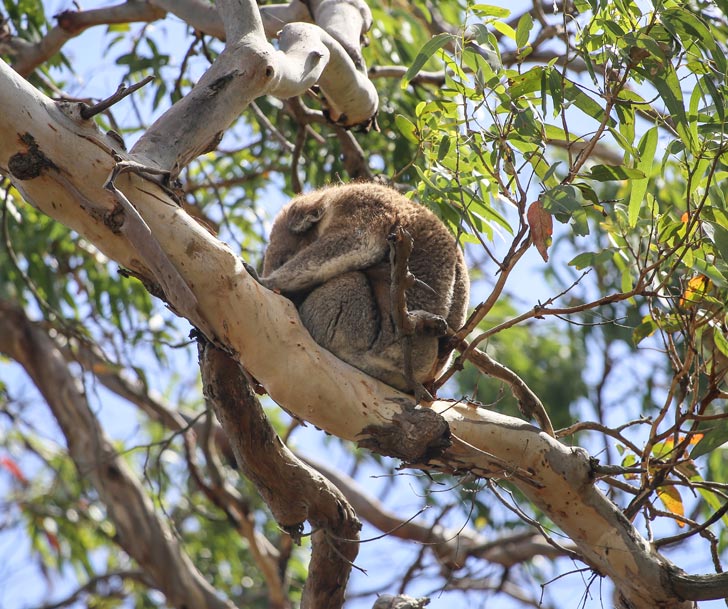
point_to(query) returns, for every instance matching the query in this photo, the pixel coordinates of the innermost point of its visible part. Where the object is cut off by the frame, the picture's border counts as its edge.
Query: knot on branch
(415, 435)
(30, 164)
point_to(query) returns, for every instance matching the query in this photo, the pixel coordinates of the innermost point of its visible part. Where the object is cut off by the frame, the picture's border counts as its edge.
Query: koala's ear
(306, 218)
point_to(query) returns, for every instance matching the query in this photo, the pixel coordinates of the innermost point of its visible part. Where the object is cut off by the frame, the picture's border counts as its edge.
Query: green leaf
(557, 93)
(585, 103)
(606, 173)
(720, 341)
(668, 86)
(588, 193)
(645, 329)
(647, 148)
(488, 10)
(406, 128)
(444, 147)
(431, 47)
(528, 82)
(583, 260)
(560, 200)
(716, 434)
(505, 29)
(626, 283)
(688, 26)
(720, 239)
(525, 23)
(718, 99)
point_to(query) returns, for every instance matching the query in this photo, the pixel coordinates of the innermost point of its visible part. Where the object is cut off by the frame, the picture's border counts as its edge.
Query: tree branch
(117, 380)
(205, 17)
(142, 535)
(91, 586)
(294, 492)
(28, 56)
(247, 68)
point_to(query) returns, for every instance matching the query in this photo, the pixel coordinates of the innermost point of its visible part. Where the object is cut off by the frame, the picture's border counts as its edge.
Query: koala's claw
(252, 272)
(421, 394)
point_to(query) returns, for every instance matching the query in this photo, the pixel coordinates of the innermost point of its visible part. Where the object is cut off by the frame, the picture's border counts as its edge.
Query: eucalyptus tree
(579, 143)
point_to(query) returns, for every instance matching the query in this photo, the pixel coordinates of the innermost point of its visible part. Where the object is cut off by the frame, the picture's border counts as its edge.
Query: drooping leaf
(406, 128)
(561, 200)
(647, 148)
(695, 290)
(671, 499)
(645, 329)
(542, 227)
(716, 434)
(425, 53)
(525, 23)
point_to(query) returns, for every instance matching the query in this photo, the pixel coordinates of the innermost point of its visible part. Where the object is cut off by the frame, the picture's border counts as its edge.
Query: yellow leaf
(697, 287)
(695, 438)
(670, 497)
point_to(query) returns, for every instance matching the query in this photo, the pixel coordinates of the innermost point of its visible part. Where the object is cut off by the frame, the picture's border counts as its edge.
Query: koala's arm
(327, 257)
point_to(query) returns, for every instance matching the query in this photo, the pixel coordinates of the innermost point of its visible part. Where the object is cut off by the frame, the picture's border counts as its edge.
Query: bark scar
(30, 164)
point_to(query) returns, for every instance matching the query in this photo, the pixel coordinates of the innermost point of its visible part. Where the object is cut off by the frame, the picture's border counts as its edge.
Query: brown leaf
(10, 465)
(542, 227)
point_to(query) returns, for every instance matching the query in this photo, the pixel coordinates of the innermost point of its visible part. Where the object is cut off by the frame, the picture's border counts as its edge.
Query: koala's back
(436, 259)
(329, 250)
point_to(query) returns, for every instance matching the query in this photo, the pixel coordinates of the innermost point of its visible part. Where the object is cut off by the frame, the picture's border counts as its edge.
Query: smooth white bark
(205, 17)
(248, 68)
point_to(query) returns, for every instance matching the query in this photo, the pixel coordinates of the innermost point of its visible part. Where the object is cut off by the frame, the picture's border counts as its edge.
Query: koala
(329, 253)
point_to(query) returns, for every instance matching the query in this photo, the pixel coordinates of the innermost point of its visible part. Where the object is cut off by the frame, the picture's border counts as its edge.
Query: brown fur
(328, 251)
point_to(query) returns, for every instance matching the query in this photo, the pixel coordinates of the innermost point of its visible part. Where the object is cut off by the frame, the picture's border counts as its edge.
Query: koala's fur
(329, 253)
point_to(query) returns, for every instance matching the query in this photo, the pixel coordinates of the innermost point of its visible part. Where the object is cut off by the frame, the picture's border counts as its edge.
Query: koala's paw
(429, 324)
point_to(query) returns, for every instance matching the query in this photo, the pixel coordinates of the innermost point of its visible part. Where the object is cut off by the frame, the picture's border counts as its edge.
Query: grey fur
(329, 253)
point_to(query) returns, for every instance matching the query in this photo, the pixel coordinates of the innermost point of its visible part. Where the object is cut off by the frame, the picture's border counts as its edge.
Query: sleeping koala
(329, 253)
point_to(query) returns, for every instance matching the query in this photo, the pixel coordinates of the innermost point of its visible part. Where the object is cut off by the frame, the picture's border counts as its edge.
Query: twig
(528, 402)
(409, 324)
(535, 523)
(123, 91)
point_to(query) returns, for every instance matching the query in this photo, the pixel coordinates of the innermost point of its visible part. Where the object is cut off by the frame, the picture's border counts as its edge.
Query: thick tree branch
(250, 67)
(294, 492)
(205, 17)
(240, 18)
(27, 56)
(139, 531)
(347, 21)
